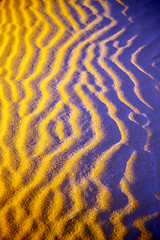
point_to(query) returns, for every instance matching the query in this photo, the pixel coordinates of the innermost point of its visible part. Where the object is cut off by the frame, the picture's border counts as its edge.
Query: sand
(79, 119)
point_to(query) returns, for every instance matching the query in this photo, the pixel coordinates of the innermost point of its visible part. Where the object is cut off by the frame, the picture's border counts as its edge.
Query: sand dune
(80, 119)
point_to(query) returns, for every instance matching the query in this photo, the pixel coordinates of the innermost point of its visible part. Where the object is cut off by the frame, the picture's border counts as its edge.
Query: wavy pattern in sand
(80, 120)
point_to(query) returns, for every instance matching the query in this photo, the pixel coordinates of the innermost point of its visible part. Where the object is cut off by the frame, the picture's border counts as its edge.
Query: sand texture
(79, 119)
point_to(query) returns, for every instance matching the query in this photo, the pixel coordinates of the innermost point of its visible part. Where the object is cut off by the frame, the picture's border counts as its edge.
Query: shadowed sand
(80, 119)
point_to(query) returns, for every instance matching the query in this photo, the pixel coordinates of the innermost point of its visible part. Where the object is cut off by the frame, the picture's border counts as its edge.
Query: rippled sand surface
(79, 119)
